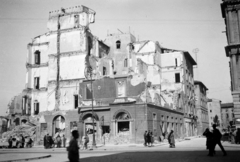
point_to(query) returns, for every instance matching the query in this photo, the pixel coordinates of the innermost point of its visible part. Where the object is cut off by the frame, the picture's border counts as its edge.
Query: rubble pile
(25, 130)
(121, 138)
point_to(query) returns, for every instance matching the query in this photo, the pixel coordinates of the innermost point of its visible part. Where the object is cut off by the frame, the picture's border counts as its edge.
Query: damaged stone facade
(177, 86)
(126, 90)
(201, 107)
(55, 65)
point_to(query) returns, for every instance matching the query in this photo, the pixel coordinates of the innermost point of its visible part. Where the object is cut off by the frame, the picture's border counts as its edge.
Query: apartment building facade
(201, 101)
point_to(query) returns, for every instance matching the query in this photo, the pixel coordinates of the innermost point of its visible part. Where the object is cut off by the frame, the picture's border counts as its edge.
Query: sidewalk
(21, 157)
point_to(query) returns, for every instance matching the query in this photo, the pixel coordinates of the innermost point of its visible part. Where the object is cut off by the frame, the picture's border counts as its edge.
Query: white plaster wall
(67, 96)
(148, 59)
(67, 22)
(73, 41)
(52, 39)
(170, 75)
(41, 72)
(72, 67)
(41, 98)
(148, 47)
(168, 59)
(51, 98)
(52, 68)
(154, 75)
(52, 24)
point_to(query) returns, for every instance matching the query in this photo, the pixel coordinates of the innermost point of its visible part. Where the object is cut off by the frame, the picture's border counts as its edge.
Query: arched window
(118, 44)
(123, 116)
(37, 57)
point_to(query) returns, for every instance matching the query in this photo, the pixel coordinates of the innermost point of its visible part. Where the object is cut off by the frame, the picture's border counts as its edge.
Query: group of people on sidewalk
(149, 139)
(19, 141)
(213, 139)
(50, 142)
(234, 137)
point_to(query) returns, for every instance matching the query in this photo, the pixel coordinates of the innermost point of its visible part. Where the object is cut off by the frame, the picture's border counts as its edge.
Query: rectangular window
(36, 108)
(104, 70)
(176, 63)
(177, 77)
(37, 57)
(121, 89)
(75, 101)
(36, 82)
(126, 62)
(88, 92)
(154, 123)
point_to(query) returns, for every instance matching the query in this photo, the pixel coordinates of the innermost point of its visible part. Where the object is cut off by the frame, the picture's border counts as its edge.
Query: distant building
(201, 107)
(177, 87)
(214, 112)
(230, 13)
(227, 114)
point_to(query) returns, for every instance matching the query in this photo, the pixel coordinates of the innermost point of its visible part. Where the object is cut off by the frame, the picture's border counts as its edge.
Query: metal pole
(93, 142)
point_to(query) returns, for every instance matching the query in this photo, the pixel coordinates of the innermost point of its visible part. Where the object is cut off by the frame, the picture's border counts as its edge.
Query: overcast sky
(178, 24)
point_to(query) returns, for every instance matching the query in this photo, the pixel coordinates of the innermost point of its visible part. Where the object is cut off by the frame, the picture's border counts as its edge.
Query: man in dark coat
(145, 138)
(209, 142)
(45, 140)
(217, 139)
(171, 139)
(73, 149)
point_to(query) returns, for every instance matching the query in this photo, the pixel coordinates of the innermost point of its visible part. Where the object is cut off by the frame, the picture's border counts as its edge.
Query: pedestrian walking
(149, 138)
(238, 136)
(209, 141)
(63, 141)
(145, 138)
(86, 141)
(152, 138)
(171, 139)
(73, 149)
(217, 139)
(58, 141)
(45, 140)
(10, 140)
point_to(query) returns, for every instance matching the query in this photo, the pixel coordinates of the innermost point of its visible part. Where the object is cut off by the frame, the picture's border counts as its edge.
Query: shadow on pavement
(165, 156)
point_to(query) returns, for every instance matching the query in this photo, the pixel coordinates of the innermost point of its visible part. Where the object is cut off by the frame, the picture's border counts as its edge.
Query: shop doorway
(58, 126)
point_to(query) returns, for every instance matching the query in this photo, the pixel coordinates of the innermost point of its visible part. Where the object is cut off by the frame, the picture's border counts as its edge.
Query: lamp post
(94, 141)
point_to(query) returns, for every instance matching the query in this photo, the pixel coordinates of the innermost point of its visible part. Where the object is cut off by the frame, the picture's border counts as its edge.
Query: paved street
(185, 151)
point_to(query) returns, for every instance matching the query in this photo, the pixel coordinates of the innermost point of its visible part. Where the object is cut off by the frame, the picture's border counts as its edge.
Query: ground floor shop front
(127, 122)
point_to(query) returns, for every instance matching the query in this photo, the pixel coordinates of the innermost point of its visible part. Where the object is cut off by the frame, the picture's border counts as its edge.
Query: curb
(27, 159)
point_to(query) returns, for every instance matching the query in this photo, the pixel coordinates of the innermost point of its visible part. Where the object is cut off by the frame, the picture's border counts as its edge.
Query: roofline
(199, 82)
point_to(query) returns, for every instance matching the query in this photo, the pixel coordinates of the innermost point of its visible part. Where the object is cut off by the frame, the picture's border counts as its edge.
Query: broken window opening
(89, 45)
(88, 92)
(75, 101)
(125, 62)
(104, 70)
(105, 129)
(36, 108)
(37, 57)
(123, 127)
(76, 21)
(177, 77)
(118, 44)
(36, 82)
